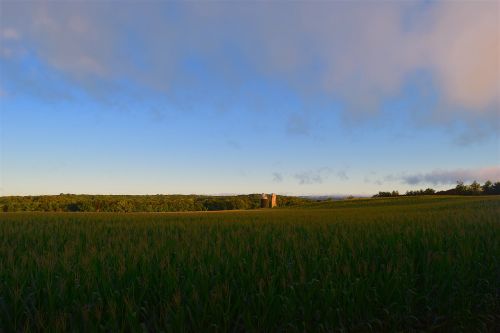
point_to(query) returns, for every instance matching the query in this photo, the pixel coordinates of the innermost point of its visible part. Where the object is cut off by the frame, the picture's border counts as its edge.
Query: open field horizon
(384, 264)
(364, 136)
(177, 202)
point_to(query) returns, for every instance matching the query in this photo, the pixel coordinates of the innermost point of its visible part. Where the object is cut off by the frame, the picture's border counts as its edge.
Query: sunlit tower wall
(273, 200)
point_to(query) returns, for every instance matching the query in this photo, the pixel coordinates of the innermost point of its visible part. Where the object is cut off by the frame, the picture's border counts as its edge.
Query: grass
(420, 263)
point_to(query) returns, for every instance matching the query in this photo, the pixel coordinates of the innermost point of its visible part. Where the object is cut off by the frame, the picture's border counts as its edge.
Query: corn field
(390, 264)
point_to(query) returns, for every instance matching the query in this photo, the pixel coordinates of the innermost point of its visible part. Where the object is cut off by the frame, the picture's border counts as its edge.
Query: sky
(222, 97)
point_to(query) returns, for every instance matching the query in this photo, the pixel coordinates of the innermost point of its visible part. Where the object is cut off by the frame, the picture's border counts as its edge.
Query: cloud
(9, 33)
(313, 177)
(277, 177)
(464, 51)
(342, 175)
(476, 133)
(452, 176)
(308, 178)
(358, 53)
(233, 144)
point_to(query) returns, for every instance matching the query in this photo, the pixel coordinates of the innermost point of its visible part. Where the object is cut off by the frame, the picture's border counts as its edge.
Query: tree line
(136, 203)
(475, 188)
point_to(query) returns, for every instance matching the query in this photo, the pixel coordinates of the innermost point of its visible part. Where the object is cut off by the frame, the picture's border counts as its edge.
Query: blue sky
(249, 97)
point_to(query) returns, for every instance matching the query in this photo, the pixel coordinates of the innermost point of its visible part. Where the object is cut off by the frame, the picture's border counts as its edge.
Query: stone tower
(268, 201)
(273, 202)
(264, 201)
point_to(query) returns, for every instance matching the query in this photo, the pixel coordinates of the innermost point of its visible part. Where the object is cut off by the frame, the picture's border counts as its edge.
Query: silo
(273, 202)
(264, 201)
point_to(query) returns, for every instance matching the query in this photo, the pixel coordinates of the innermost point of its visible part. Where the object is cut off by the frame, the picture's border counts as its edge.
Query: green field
(417, 263)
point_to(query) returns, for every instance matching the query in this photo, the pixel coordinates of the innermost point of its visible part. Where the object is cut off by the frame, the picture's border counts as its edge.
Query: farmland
(422, 263)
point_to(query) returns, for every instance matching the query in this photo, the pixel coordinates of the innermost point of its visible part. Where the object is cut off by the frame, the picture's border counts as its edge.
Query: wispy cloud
(306, 178)
(233, 144)
(476, 133)
(452, 176)
(342, 175)
(317, 176)
(277, 177)
(9, 33)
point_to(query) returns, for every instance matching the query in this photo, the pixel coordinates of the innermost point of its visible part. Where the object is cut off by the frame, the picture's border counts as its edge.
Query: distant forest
(183, 203)
(137, 203)
(475, 188)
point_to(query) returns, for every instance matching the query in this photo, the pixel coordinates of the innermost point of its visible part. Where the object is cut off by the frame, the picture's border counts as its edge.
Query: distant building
(273, 202)
(268, 201)
(264, 201)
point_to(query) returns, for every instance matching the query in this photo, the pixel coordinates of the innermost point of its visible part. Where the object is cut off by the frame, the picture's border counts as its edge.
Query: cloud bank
(359, 53)
(452, 176)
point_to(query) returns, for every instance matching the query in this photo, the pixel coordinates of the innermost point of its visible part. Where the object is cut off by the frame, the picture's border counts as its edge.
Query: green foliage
(388, 264)
(136, 203)
(490, 188)
(474, 189)
(487, 187)
(461, 189)
(427, 191)
(386, 194)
